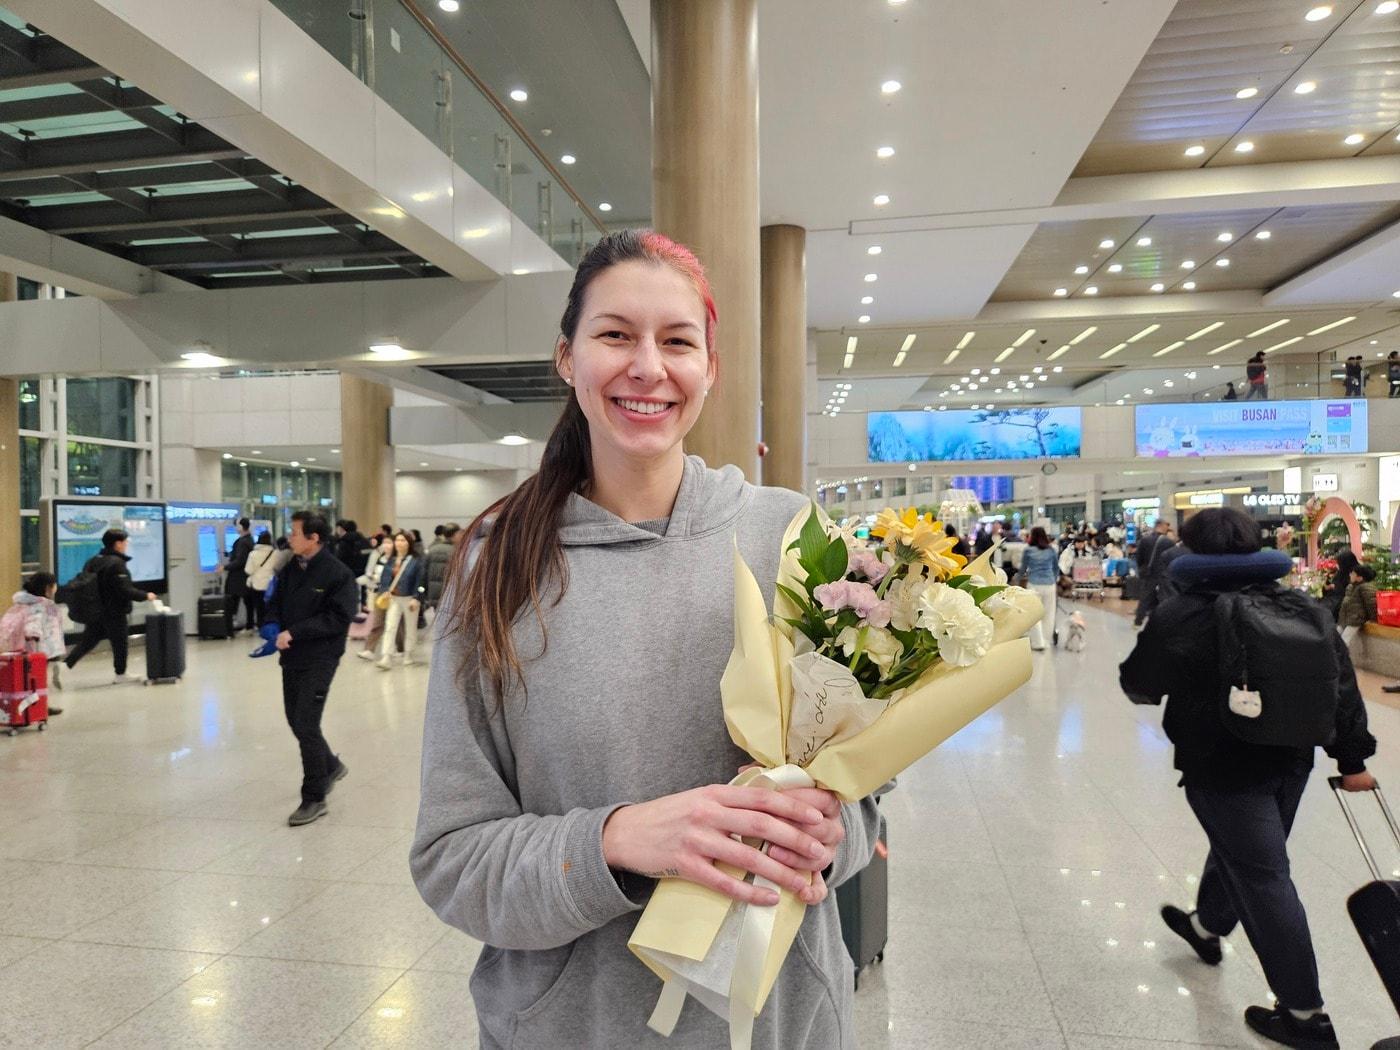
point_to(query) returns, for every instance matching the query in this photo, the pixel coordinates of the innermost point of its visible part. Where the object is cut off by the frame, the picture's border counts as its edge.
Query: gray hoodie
(623, 707)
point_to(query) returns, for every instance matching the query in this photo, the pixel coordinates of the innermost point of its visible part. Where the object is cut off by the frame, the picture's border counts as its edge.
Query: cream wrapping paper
(679, 934)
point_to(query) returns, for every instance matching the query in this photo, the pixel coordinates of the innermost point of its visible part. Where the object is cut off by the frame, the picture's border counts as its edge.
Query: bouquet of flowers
(873, 656)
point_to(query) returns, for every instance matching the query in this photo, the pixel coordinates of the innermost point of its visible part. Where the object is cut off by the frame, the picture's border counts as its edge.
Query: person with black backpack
(1256, 678)
(100, 598)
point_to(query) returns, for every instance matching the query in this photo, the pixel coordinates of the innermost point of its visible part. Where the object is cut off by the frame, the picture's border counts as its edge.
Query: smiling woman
(575, 747)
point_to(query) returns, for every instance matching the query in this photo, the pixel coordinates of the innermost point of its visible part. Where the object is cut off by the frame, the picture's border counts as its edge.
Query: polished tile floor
(156, 897)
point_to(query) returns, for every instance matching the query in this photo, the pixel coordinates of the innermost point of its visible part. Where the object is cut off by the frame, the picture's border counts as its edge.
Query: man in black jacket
(1245, 795)
(115, 594)
(236, 580)
(1149, 566)
(314, 602)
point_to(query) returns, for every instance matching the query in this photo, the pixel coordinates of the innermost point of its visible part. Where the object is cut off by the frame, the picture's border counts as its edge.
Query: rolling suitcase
(165, 646)
(1375, 907)
(211, 622)
(24, 691)
(863, 905)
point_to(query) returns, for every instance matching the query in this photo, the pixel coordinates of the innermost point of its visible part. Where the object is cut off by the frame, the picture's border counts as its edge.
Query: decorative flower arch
(1334, 507)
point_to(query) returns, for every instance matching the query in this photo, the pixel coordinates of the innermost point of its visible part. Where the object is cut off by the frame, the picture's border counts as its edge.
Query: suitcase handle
(1335, 783)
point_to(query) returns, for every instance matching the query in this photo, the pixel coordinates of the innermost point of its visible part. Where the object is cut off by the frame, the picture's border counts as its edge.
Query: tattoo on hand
(668, 873)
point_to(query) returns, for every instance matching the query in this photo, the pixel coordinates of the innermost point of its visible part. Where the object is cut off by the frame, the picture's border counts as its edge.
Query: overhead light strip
(1144, 333)
(1204, 331)
(1109, 353)
(1168, 349)
(1084, 335)
(1023, 337)
(1280, 346)
(1225, 346)
(850, 351)
(1334, 324)
(1060, 352)
(953, 355)
(908, 342)
(1005, 354)
(962, 345)
(1267, 328)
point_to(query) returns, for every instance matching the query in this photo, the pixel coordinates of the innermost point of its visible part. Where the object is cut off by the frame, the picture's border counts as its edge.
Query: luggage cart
(1087, 575)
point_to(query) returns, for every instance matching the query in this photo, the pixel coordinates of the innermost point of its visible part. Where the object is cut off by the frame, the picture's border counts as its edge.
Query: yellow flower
(923, 538)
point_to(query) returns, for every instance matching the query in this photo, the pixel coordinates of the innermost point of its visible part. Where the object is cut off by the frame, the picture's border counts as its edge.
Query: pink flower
(868, 564)
(850, 594)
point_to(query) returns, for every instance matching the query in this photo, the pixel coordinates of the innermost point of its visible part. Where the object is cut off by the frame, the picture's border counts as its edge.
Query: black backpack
(1276, 651)
(81, 593)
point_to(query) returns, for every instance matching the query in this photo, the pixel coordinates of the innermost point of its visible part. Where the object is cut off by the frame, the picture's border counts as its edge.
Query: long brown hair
(515, 541)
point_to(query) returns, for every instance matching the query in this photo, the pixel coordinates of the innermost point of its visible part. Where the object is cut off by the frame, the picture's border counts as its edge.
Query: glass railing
(388, 46)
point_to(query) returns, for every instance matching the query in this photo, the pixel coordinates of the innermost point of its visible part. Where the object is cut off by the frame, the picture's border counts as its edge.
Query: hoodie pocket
(539, 1025)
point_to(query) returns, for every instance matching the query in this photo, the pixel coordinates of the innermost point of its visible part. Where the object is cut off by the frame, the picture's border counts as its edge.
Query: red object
(24, 690)
(1388, 608)
(762, 449)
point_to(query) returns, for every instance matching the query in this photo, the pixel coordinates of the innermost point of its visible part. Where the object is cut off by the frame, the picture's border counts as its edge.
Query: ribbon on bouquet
(756, 933)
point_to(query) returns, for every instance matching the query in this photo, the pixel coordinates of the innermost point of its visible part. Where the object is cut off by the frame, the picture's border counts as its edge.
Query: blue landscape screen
(1013, 433)
(989, 488)
(1244, 428)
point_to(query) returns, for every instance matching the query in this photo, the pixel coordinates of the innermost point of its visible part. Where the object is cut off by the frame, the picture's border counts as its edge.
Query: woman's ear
(564, 361)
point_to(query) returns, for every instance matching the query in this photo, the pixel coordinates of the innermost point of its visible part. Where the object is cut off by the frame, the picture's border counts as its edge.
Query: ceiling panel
(1184, 92)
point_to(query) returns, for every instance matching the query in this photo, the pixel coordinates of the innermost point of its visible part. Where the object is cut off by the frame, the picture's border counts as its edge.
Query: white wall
(427, 500)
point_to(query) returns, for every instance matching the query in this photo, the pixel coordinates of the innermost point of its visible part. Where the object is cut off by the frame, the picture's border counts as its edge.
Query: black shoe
(1281, 1026)
(341, 772)
(1179, 922)
(307, 812)
(1394, 687)
(55, 711)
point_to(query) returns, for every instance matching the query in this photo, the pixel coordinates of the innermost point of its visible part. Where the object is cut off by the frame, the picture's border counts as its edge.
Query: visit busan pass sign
(963, 436)
(1245, 428)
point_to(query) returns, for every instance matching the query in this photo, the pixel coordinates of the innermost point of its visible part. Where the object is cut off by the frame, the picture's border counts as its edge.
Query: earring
(569, 382)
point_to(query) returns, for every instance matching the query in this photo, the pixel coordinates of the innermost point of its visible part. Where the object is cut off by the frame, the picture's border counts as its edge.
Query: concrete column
(784, 326)
(9, 464)
(1093, 498)
(704, 76)
(367, 458)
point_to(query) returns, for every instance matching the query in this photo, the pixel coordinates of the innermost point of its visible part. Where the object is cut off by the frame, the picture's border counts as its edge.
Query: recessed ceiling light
(388, 350)
(514, 439)
(1204, 331)
(201, 358)
(1145, 332)
(1059, 368)
(871, 278)
(1222, 263)
(1244, 147)
(1091, 290)
(885, 152)
(874, 249)
(1307, 87)
(295, 463)
(1195, 151)
(1334, 324)
(228, 455)
(1081, 270)
(1189, 286)
(1144, 242)
(1060, 293)
(1268, 328)
(520, 271)
(866, 300)
(881, 199)
(863, 319)
(1395, 295)
(962, 343)
(994, 371)
(568, 158)
(1159, 287)
(889, 87)
(311, 459)
(1188, 264)
(450, 6)
(1107, 242)
(1262, 235)
(1317, 14)
(335, 451)
(1388, 7)
(520, 95)
(605, 206)
(1248, 92)
(257, 452)
(1116, 268)
(1354, 139)
(1225, 237)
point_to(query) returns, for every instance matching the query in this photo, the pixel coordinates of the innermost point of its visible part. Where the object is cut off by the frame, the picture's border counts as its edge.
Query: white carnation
(1013, 611)
(903, 595)
(882, 647)
(963, 631)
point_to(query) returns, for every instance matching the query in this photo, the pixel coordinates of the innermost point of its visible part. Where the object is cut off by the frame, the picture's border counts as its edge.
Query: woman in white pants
(1042, 567)
(399, 580)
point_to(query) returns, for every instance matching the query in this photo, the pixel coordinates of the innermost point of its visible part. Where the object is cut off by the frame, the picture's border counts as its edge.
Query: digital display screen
(1245, 428)
(961, 435)
(989, 488)
(78, 526)
(209, 560)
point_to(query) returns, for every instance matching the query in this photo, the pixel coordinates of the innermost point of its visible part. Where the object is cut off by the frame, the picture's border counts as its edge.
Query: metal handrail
(442, 41)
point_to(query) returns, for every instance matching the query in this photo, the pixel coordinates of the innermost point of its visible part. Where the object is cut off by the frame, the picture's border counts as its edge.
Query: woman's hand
(683, 835)
(413, 605)
(1362, 781)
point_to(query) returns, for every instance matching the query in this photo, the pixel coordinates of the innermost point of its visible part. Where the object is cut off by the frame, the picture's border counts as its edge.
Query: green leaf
(981, 594)
(812, 544)
(958, 581)
(799, 600)
(835, 561)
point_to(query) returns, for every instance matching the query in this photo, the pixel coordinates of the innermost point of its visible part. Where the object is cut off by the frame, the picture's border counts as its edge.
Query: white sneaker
(128, 678)
(365, 654)
(383, 664)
